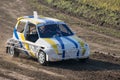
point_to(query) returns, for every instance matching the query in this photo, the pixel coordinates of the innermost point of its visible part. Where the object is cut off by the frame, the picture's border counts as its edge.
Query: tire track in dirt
(26, 71)
(73, 69)
(2, 78)
(38, 69)
(14, 75)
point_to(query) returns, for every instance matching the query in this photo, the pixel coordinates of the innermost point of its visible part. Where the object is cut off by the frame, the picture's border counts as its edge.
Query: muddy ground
(104, 62)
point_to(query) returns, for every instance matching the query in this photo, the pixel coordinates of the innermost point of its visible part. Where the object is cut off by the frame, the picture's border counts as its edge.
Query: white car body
(56, 48)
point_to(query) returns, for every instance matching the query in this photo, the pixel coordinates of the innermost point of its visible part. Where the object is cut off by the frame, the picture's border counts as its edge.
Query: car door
(24, 34)
(19, 32)
(31, 36)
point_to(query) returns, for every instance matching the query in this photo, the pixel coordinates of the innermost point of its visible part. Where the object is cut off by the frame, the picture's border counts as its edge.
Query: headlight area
(85, 49)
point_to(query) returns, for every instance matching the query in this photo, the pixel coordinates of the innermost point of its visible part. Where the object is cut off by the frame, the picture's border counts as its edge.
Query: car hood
(61, 43)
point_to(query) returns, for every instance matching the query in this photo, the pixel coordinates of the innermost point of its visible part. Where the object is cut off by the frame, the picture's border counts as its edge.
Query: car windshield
(54, 30)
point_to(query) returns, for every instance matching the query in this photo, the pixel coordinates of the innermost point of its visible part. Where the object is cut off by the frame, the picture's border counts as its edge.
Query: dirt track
(99, 67)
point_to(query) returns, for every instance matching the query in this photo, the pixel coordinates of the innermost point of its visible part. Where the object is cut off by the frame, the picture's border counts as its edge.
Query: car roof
(40, 20)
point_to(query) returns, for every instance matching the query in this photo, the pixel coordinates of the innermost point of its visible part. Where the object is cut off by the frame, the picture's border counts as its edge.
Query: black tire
(42, 58)
(84, 60)
(7, 49)
(13, 52)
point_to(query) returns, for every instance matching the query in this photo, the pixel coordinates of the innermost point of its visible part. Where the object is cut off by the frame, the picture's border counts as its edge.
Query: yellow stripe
(23, 39)
(52, 43)
(22, 36)
(81, 43)
(33, 21)
(32, 54)
(18, 22)
(26, 45)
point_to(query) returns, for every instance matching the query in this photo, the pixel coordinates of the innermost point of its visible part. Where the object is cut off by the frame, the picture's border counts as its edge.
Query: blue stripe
(31, 16)
(16, 35)
(62, 45)
(27, 53)
(76, 45)
(15, 32)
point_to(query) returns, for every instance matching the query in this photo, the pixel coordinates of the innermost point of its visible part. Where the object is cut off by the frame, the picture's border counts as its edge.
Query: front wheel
(42, 58)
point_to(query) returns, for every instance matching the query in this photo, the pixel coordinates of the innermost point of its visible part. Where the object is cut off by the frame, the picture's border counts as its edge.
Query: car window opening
(31, 33)
(54, 30)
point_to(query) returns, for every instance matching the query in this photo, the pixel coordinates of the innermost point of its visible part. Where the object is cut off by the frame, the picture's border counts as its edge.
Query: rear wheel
(7, 49)
(42, 58)
(13, 52)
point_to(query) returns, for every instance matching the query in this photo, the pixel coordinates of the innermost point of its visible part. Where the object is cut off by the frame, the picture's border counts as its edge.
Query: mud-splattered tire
(12, 51)
(42, 58)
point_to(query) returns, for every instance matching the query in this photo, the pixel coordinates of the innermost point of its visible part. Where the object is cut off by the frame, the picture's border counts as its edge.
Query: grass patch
(47, 11)
(102, 12)
(113, 5)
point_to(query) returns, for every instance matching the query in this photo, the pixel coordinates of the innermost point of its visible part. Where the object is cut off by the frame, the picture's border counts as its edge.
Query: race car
(46, 39)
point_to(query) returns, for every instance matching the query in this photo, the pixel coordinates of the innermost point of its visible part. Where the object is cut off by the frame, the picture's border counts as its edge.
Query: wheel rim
(11, 51)
(41, 58)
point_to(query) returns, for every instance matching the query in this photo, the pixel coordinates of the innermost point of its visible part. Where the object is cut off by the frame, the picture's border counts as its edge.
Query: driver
(33, 29)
